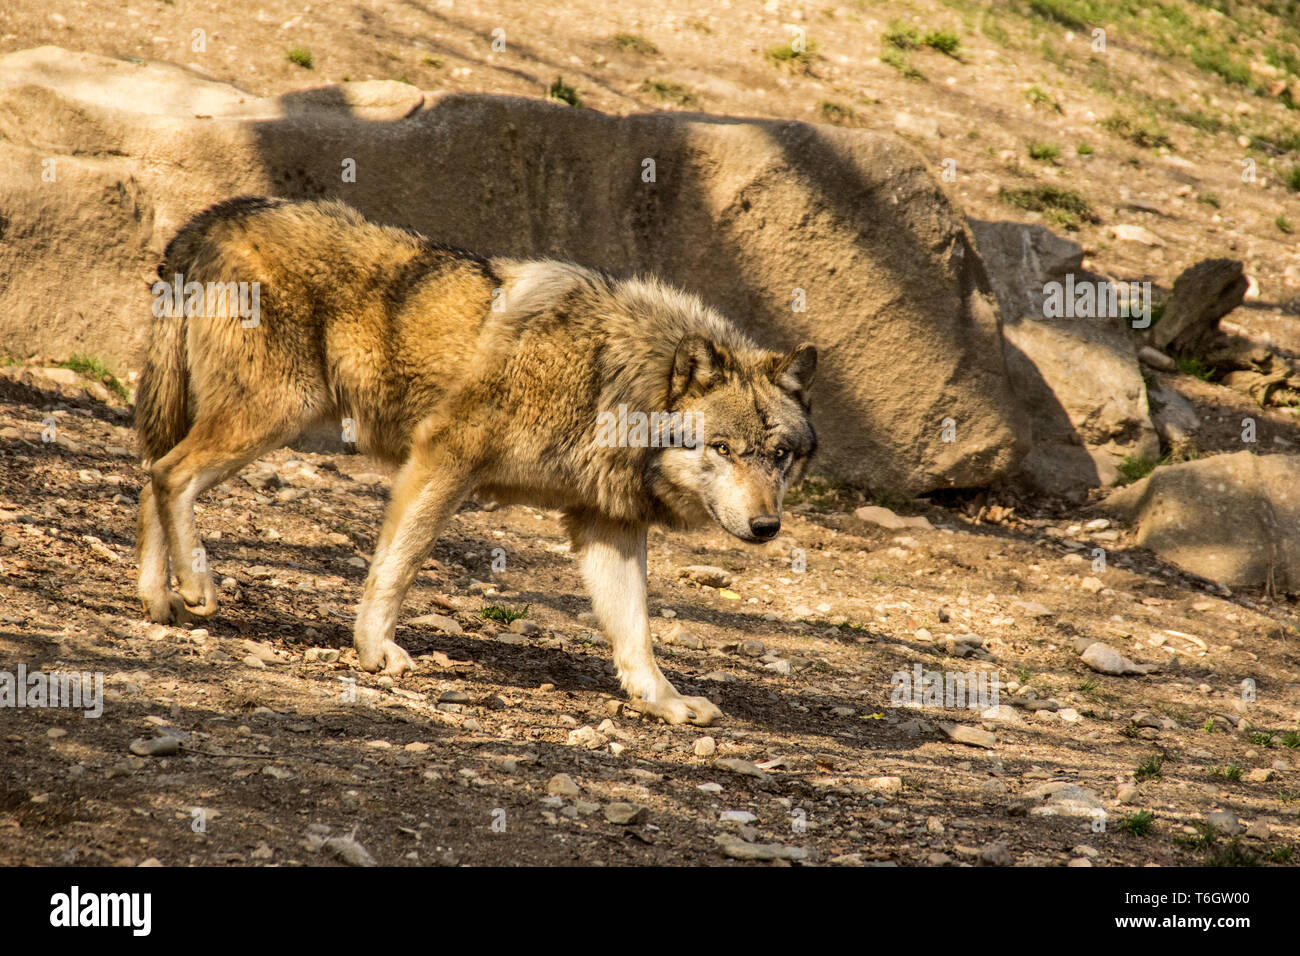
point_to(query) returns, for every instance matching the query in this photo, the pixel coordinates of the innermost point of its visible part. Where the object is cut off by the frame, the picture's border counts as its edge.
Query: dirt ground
(510, 745)
(282, 747)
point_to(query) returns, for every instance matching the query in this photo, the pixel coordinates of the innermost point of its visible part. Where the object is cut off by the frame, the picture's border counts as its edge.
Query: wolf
(469, 375)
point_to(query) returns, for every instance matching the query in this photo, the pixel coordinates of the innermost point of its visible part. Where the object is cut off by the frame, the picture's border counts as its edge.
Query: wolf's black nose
(765, 526)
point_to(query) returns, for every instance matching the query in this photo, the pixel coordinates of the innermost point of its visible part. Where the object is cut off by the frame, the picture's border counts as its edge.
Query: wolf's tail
(162, 402)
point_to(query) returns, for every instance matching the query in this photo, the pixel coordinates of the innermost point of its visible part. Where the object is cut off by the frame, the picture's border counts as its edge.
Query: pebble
(751, 648)
(736, 816)
(155, 747)
(626, 814)
(705, 747)
(743, 767)
(442, 622)
(587, 737)
(1225, 822)
(996, 854)
(971, 736)
(707, 574)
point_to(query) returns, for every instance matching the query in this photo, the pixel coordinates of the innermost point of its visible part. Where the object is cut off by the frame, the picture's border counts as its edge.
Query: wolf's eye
(721, 448)
(780, 454)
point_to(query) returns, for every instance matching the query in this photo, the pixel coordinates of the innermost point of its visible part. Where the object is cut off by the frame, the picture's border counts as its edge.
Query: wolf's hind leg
(205, 457)
(612, 556)
(154, 585)
(426, 492)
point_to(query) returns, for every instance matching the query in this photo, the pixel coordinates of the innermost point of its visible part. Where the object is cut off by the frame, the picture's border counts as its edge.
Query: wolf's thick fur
(472, 375)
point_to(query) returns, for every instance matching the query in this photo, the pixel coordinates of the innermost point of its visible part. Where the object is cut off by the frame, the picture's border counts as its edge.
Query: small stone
(442, 622)
(886, 784)
(155, 747)
(1126, 793)
(996, 854)
(626, 814)
(751, 648)
(743, 767)
(1260, 775)
(971, 736)
(707, 575)
(706, 747)
(1091, 585)
(1225, 822)
(526, 628)
(587, 737)
(736, 816)
(562, 785)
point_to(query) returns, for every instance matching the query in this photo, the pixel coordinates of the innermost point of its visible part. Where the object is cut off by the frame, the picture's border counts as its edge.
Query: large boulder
(1078, 378)
(1234, 519)
(757, 217)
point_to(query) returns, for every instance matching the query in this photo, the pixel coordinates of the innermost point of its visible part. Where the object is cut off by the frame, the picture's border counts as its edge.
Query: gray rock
(626, 814)
(448, 625)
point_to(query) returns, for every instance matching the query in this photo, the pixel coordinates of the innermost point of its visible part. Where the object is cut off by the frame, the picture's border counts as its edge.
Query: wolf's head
(747, 413)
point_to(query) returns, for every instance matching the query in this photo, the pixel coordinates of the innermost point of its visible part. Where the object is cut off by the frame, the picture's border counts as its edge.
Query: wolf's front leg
(426, 493)
(612, 556)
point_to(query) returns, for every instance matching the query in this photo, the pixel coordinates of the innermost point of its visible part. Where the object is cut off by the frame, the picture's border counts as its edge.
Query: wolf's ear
(794, 372)
(698, 363)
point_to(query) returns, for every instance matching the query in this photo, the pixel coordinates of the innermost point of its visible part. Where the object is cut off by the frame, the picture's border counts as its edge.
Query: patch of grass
(898, 60)
(502, 614)
(1229, 772)
(901, 37)
(944, 41)
(1280, 854)
(1039, 97)
(1044, 152)
(1147, 135)
(1063, 207)
(1208, 726)
(670, 92)
(96, 370)
(1198, 120)
(1024, 675)
(786, 56)
(837, 114)
(1217, 60)
(300, 56)
(561, 92)
(1292, 179)
(1083, 149)
(433, 61)
(1134, 468)
(1291, 739)
(1209, 199)
(1262, 738)
(1150, 769)
(1193, 366)
(1089, 688)
(1138, 824)
(635, 43)
(1066, 13)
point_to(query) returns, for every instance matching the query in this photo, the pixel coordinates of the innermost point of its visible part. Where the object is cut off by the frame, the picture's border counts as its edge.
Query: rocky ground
(259, 742)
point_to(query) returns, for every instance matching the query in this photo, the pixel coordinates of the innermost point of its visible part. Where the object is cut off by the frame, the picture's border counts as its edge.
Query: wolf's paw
(172, 609)
(681, 710)
(389, 658)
